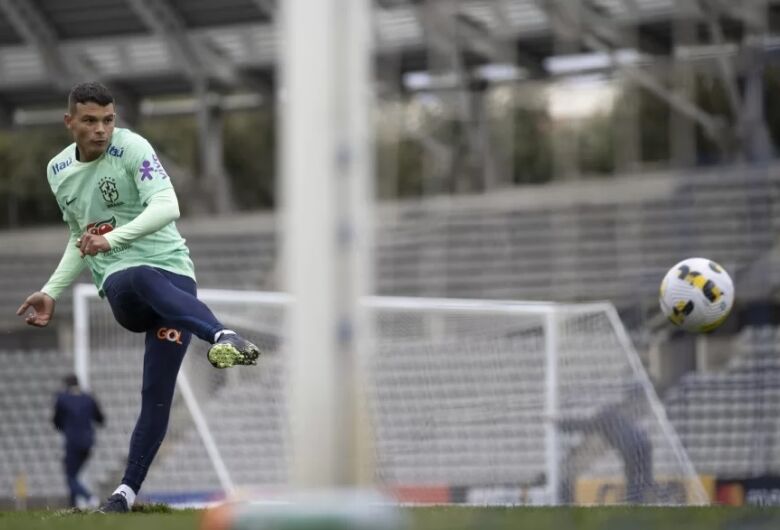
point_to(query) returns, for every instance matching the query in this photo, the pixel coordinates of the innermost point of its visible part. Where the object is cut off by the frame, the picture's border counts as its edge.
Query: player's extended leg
(169, 295)
(174, 298)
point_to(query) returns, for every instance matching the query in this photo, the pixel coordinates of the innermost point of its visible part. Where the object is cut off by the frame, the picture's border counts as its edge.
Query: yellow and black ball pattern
(697, 295)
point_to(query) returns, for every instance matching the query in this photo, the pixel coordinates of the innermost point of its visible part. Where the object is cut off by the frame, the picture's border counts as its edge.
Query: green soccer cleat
(232, 349)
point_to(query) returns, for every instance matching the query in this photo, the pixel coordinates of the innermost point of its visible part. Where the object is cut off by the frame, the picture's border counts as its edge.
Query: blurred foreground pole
(341, 510)
(327, 176)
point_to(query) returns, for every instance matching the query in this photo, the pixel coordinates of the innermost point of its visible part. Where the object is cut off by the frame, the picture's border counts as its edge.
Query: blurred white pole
(81, 293)
(327, 185)
(552, 407)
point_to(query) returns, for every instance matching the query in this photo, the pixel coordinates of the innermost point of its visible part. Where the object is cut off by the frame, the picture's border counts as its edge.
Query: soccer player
(120, 207)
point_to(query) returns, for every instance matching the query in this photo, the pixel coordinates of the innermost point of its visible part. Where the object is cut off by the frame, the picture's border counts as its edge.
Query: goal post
(481, 401)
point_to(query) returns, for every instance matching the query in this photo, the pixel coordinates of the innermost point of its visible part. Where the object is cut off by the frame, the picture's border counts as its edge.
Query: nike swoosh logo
(68, 202)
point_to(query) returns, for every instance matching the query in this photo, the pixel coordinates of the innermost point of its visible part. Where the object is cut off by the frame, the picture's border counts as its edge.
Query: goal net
(468, 401)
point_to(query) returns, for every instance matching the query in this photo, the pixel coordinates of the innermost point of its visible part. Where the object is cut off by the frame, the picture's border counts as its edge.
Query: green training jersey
(111, 191)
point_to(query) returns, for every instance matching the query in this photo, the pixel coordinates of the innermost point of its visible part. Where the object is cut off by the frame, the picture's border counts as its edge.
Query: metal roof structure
(223, 54)
(152, 47)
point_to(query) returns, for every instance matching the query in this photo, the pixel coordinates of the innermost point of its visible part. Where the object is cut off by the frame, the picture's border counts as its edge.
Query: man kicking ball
(120, 207)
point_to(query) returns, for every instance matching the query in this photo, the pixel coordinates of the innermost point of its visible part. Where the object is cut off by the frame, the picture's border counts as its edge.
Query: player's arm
(97, 413)
(42, 302)
(162, 208)
(57, 418)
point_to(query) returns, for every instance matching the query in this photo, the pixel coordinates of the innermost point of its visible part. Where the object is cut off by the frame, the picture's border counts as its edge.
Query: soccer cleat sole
(227, 355)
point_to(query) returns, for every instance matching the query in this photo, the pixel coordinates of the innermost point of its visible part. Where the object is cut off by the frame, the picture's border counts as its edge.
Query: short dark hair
(70, 381)
(86, 92)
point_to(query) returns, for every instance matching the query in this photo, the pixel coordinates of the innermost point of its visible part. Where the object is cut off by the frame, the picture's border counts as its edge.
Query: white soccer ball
(697, 294)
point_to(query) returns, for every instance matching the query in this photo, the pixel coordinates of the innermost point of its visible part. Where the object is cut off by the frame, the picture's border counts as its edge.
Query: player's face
(92, 126)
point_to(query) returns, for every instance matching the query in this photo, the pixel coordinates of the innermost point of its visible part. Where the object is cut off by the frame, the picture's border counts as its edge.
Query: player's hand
(91, 244)
(38, 309)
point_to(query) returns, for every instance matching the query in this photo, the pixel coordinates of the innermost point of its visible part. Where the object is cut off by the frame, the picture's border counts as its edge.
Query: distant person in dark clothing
(75, 413)
(619, 432)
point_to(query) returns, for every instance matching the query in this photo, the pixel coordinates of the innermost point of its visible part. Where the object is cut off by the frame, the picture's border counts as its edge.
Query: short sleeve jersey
(111, 191)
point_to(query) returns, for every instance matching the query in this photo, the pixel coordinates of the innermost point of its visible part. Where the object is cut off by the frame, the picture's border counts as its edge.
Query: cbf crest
(110, 192)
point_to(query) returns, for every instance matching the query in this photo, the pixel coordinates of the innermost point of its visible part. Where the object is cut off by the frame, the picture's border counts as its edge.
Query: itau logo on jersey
(101, 227)
(110, 192)
(59, 166)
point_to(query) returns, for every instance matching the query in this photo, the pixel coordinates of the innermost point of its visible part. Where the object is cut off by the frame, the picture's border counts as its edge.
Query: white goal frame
(549, 312)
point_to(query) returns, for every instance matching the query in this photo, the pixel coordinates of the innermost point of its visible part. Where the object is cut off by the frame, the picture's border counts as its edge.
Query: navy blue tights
(165, 306)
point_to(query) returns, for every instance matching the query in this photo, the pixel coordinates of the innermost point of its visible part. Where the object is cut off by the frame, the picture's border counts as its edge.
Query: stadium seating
(728, 420)
(442, 416)
(522, 244)
(29, 444)
(613, 247)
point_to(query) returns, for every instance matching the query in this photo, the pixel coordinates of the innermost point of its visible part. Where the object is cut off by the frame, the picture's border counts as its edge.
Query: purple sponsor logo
(146, 170)
(59, 166)
(158, 167)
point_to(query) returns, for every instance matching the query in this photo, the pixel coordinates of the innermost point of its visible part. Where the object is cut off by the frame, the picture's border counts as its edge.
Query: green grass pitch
(448, 518)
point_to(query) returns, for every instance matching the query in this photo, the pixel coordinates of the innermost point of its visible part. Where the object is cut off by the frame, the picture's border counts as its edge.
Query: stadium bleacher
(29, 445)
(728, 420)
(612, 246)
